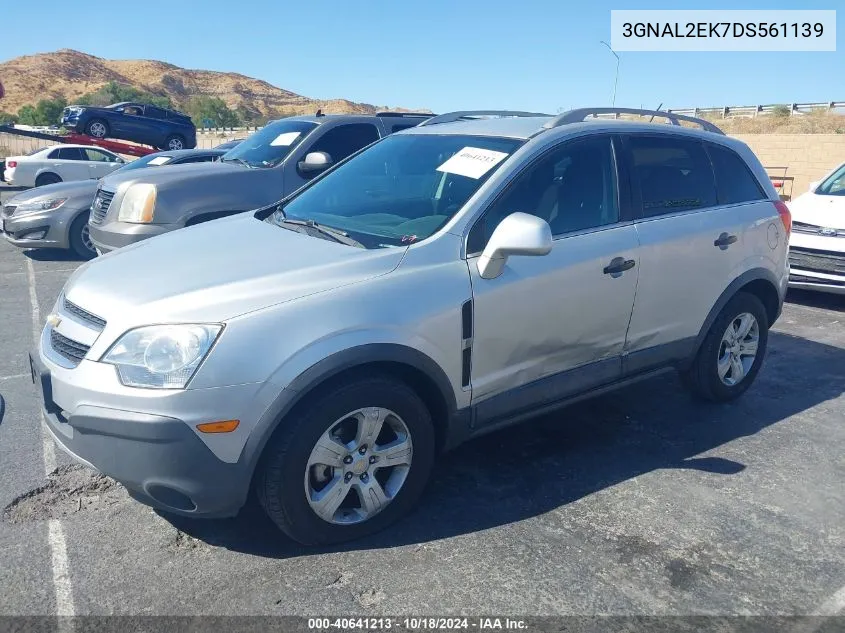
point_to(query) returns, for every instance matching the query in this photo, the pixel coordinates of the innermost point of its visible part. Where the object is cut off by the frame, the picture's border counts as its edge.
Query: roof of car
(527, 127)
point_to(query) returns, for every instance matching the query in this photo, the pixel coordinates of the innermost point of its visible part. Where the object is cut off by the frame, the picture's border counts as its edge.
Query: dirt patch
(69, 489)
(370, 598)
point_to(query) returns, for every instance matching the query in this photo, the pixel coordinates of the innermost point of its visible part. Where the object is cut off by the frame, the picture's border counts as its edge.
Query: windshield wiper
(336, 234)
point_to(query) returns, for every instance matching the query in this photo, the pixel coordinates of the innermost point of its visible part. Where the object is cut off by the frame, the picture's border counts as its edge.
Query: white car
(817, 245)
(60, 163)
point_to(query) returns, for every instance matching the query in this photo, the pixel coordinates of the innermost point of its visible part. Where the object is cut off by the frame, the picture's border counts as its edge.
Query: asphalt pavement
(640, 502)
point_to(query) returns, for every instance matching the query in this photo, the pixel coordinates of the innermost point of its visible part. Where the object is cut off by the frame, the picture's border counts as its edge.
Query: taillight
(785, 216)
(11, 164)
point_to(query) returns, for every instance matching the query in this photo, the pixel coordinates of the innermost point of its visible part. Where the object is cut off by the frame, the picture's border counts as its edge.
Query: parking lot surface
(640, 502)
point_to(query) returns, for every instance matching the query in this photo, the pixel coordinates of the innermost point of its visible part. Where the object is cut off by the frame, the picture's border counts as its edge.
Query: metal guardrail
(751, 111)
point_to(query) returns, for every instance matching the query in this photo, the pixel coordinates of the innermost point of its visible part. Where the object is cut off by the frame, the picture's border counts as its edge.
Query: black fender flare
(331, 366)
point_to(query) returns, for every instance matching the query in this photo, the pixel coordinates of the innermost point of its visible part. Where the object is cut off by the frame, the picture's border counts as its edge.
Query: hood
(74, 189)
(165, 178)
(821, 210)
(218, 270)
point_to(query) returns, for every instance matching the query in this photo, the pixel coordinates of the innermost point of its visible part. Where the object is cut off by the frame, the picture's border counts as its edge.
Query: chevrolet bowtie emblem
(54, 320)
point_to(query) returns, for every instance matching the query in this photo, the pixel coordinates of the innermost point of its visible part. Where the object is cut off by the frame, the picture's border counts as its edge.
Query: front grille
(8, 210)
(68, 348)
(803, 279)
(814, 229)
(84, 315)
(817, 261)
(100, 206)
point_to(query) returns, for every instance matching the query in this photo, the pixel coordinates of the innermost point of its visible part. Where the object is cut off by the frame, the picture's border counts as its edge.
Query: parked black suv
(138, 122)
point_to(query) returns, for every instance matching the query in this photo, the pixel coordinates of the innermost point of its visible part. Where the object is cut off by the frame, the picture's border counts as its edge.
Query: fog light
(34, 235)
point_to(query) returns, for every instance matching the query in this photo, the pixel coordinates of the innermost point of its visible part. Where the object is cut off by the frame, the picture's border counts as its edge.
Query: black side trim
(524, 400)
(466, 336)
(659, 356)
(466, 320)
(466, 366)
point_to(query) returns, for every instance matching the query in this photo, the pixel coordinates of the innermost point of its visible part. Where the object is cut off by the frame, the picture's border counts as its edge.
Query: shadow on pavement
(531, 469)
(52, 255)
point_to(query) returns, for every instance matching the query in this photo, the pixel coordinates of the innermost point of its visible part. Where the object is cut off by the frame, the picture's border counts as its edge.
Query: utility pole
(616, 78)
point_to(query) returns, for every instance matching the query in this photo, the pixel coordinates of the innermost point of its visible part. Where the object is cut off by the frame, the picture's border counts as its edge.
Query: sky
(539, 55)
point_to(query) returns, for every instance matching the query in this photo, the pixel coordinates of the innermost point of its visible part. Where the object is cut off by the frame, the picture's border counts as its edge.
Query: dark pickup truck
(139, 122)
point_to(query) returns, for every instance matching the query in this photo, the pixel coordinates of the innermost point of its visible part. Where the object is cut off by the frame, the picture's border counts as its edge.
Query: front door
(555, 325)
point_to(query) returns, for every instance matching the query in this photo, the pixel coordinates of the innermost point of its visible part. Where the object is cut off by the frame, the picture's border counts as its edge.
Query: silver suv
(446, 281)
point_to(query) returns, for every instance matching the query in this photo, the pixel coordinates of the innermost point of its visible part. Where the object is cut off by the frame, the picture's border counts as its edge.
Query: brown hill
(71, 74)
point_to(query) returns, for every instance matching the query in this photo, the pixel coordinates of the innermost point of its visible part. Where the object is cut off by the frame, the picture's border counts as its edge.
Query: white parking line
(13, 376)
(56, 534)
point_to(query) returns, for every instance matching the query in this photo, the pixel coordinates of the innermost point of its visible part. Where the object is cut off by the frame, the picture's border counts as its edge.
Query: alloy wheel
(738, 349)
(358, 465)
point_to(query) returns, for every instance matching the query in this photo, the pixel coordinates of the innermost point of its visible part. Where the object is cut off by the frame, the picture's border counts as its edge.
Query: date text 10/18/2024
(417, 624)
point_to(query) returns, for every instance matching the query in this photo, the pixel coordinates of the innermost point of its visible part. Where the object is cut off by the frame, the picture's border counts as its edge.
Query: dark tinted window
(344, 140)
(734, 181)
(98, 156)
(71, 153)
(205, 158)
(572, 188)
(673, 174)
(401, 126)
(154, 112)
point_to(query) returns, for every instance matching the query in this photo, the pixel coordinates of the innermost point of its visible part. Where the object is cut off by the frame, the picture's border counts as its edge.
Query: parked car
(817, 246)
(56, 216)
(448, 280)
(229, 144)
(60, 163)
(269, 164)
(138, 122)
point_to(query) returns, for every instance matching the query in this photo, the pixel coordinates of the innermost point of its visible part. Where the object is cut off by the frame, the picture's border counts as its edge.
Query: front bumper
(113, 235)
(820, 282)
(22, 231)
(157, 456)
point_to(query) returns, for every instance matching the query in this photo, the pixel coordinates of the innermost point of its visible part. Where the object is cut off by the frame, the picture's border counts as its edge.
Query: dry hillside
(70, 74)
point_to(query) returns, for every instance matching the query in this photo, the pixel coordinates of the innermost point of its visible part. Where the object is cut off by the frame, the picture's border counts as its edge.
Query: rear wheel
(348, 463)
(732, 352)
(97, 128)
(79, 238)
(47, 179)
(174, 142)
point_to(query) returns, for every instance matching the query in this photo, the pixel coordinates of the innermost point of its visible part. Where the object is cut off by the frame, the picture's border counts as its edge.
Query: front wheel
(79, 238)
(97, 128)
(351, 461)
(732, 352)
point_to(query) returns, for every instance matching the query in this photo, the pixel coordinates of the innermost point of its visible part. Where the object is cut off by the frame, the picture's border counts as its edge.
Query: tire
(97, 128)
(47, 179)
(284, 481)
(174, 142)
(79, 242)
(703, 377)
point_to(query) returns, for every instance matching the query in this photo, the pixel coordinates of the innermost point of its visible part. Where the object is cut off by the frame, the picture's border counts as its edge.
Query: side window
(156, 113)
(54, 155)
(71, 153)
(98, 156)
(344, 140)
(734, 181)
(571, 188)
(673, 174)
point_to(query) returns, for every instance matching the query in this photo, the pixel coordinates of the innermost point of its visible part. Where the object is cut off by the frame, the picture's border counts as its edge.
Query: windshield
(269, 146)
(400, 190)
(146, 161)
(834, 185)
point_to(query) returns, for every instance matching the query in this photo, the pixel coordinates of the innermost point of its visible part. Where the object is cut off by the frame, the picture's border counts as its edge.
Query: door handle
(725, 240)
(619, 265)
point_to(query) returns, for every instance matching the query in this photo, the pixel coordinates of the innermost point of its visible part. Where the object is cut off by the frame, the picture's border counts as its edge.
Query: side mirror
(315, 162)
(813, 185)
(517, 234)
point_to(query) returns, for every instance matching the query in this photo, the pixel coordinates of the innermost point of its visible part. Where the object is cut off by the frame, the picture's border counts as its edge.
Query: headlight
(43, 205)
(161, 356)
(138, 204)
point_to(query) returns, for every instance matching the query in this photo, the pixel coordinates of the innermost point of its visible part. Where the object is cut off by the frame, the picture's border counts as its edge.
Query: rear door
(338, 141)
(691, 245)
(69, 163)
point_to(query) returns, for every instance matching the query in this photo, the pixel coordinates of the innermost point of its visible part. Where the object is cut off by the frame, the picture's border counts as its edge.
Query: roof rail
(448, 117)
(578, 115)
(406, 114)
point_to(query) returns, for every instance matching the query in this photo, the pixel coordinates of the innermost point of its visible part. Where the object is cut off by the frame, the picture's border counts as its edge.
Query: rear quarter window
(734, 181)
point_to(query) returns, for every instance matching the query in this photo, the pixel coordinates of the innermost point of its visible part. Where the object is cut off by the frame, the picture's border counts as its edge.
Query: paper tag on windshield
(159, 160)
(285, 139)
(472, 162)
